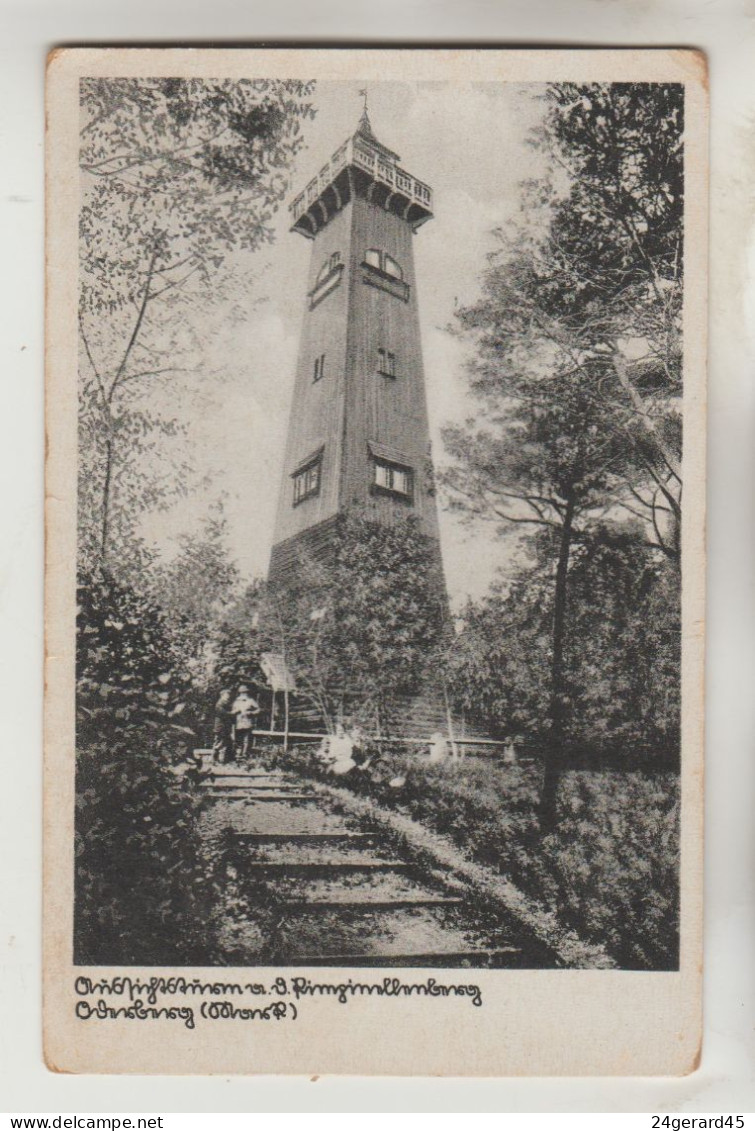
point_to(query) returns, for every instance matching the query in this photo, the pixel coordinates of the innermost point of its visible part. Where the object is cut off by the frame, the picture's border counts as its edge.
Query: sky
(468, 142)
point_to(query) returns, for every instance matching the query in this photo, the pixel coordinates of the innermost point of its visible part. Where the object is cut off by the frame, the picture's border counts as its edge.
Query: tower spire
(365, 126)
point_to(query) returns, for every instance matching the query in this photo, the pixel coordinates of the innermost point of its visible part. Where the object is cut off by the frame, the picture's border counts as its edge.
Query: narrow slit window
(319, 367)
(386, 362)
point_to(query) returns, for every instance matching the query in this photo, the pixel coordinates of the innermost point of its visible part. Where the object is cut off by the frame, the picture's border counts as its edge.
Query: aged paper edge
(534, 1022)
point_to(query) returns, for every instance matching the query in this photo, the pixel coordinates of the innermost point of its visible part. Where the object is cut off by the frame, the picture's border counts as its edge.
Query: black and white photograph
(381, 450)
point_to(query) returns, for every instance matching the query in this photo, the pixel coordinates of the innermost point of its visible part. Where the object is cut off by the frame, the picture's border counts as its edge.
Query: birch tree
(176, 175)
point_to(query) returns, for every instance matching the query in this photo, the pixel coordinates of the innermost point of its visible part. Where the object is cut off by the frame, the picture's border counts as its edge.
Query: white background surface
(726, 30)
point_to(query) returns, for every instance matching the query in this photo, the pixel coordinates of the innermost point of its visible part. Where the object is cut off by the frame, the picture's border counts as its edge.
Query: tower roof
(365, 126)
(365, 131)
(361, 162)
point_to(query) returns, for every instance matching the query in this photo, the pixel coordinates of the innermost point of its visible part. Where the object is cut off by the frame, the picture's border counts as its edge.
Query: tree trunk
(108, 408)
(105, 530)
(555, 741)
(285, 715)
(450, 724)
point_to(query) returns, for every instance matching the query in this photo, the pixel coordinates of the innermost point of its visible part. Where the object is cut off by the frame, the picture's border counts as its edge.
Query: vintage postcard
(375, 561)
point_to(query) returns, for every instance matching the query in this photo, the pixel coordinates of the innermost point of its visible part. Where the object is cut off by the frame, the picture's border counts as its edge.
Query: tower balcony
(358, 168)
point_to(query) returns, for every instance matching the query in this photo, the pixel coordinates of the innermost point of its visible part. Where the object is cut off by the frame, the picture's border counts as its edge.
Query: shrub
(143, 885)
(621, 658)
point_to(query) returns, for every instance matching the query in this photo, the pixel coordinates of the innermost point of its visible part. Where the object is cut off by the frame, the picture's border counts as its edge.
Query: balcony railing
(338, 160)
(403, 181)
(353, 153)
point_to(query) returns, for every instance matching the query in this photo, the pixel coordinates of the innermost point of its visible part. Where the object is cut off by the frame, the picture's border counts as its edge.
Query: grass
(609, 869)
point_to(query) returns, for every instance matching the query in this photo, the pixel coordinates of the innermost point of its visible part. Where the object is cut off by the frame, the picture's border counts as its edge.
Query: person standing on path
(509, 752)
(341, 752)
(438, 744)
(222, 728)
(244, 710)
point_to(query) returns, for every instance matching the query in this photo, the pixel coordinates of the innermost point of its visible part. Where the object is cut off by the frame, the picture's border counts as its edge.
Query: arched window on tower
(327, 278)
(384, 262)
(385, 272)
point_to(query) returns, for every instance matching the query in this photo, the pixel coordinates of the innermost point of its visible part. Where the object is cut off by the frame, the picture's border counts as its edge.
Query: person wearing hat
(244, 710)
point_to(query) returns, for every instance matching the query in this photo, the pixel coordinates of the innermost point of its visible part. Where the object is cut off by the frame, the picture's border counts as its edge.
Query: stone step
(500, 956)
(308, 851)
(262, 775)
(348, 903)
(321, 867)
(251, 787)
(285, 838)
(377, 886)
(255, 798)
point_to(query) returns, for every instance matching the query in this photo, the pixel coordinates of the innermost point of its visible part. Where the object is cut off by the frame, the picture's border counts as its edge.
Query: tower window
(386, 363)
(382, 261)
(331, 264)
(319, 367)
(393, 478)
(327, 278)
(382, 271)
(307, 480)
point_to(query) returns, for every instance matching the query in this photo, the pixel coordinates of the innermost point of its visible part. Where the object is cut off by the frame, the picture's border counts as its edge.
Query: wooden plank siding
(355, 414)
(391, 411)
(317, 410)
(353, 405)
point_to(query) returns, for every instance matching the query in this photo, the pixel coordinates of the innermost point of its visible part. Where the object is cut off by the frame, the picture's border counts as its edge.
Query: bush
(615, 860)
(621, 657)
(143, 886)
(360, 619)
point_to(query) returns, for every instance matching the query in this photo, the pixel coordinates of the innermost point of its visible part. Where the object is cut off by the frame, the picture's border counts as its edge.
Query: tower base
(313, 549)
(362, 611)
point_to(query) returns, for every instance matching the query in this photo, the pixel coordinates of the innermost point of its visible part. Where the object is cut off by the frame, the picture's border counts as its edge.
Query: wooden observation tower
(358, 434)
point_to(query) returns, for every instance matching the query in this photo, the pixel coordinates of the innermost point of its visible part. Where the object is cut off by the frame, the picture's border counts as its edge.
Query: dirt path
(310, 883)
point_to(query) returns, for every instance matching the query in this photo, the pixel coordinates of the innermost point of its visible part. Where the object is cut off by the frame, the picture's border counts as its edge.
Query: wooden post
(285, 714)
(450, 722)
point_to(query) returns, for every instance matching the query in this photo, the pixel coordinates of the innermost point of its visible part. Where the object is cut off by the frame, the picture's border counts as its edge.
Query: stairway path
(310, 886)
